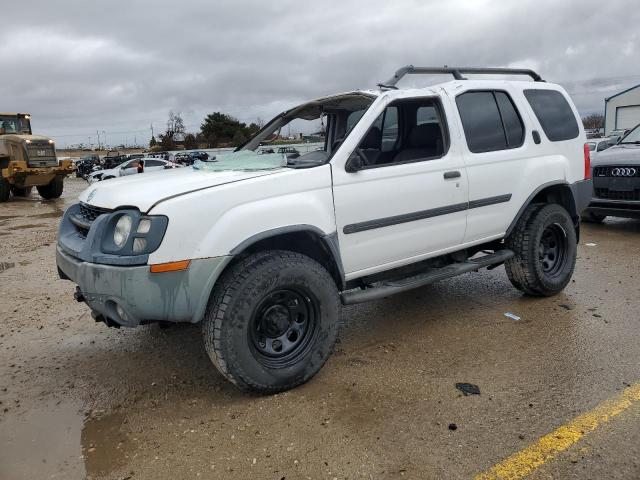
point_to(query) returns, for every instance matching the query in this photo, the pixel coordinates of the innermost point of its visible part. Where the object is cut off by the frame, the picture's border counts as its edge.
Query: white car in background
(597, 145)
(131, 167)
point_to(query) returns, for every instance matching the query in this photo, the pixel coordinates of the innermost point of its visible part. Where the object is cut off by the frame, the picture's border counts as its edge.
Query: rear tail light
(587, 162)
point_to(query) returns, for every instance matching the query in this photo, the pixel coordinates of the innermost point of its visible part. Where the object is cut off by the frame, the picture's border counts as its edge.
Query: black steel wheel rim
(552, 251)
(283, 326)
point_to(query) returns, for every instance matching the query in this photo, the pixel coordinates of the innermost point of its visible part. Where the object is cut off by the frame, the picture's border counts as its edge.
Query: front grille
(90, 212)
(617, 195)
(85, 217)
(607, 171)
(41, 154)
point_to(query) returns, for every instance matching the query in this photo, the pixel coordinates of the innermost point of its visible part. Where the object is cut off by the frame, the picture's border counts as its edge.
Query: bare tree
(593, 121)
(175, 123)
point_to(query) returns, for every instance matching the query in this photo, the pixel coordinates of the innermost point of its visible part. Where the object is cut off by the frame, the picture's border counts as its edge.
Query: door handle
(452, 174)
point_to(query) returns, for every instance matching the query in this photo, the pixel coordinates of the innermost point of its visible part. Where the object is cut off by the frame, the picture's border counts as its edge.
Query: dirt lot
(81, 400)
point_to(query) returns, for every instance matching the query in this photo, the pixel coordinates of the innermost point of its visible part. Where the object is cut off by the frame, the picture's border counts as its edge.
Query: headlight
(130, 233)
(122, 231)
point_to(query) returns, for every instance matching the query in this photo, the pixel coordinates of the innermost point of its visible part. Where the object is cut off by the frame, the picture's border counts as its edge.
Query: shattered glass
(244, 160)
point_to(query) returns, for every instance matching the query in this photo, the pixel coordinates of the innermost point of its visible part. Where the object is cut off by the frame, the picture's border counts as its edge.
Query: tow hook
(78, 295)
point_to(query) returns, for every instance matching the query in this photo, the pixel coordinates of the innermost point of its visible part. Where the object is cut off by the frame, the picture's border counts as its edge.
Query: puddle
(42, 443)
(58, 442)
(6, 266)
(104, 446)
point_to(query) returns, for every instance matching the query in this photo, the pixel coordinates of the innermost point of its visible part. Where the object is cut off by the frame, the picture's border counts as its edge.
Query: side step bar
(387, 288)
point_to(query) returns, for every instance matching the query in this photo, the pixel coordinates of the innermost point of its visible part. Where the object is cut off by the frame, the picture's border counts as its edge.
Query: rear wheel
(52, 190)
(544, 241)
(591, 217)
(272, 321)
(5, 189)
(21, 192)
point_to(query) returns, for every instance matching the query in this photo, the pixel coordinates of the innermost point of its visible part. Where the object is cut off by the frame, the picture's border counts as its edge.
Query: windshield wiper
(636, 142)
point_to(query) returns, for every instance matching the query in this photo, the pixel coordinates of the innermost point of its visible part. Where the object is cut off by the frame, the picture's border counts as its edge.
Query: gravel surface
(80, 400)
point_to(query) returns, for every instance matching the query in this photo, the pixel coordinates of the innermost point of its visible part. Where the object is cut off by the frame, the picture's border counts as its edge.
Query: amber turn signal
(170, 266)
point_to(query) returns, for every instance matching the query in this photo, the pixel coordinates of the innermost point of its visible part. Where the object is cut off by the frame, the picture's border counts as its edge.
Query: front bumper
(614, 208)
(615, 195)
(143, 296)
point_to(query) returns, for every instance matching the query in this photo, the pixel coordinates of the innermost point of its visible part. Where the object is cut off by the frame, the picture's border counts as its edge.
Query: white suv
(410, 187)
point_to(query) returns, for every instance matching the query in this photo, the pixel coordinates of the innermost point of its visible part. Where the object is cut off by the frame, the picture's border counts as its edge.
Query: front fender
(213, 222)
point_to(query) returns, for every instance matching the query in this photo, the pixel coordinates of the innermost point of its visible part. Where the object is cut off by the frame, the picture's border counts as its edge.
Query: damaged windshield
(246, 160)
(303, 137)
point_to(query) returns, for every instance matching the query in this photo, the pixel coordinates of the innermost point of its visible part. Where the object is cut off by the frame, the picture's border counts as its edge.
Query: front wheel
(544, 241)
(272, 321)
(52, 190)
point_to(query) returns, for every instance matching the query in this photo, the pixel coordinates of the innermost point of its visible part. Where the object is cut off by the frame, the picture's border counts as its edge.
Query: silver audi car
(616, 180)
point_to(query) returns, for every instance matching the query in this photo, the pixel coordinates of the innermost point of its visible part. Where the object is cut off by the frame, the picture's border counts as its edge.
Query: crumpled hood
(145, 190)
(617, 155)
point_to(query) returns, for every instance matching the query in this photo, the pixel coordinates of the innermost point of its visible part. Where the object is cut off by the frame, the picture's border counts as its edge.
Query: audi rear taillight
(587, 162)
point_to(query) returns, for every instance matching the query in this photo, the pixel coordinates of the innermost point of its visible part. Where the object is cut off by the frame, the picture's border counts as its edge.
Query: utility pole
(104, 138)
(98, 134)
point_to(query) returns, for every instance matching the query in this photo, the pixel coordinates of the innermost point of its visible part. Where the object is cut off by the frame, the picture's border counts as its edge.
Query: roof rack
(457, 73)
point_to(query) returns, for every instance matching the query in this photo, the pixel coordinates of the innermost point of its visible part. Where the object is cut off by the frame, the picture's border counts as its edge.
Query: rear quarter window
(554, 114)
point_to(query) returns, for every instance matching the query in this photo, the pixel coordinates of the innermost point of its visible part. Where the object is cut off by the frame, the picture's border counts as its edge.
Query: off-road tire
(526, 270)
(591, 217)
(5, 189)
(21, 192)
(52, 190)
(233, 308)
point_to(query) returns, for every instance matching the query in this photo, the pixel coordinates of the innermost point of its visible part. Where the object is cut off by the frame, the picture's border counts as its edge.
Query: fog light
(139, 245)
(121, 313)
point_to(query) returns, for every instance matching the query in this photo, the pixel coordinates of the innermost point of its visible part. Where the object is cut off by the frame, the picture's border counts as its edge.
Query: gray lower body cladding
(143, 296)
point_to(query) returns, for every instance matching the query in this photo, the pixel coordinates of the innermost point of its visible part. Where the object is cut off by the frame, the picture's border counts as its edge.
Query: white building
(622, 110)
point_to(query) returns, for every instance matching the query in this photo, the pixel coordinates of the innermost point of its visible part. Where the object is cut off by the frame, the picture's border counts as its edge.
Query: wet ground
(81, 400)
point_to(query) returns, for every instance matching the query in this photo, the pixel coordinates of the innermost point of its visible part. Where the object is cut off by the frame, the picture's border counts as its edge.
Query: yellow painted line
(523, 463)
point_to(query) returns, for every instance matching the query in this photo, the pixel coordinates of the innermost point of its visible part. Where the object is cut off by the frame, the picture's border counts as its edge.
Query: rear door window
(554, 114)
(490, 121)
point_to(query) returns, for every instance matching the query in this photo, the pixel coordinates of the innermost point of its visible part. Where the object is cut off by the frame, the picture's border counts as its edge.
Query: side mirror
(354, 163)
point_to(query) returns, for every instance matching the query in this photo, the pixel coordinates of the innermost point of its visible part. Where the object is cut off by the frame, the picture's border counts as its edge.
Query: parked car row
(135, 166)
(95, 168)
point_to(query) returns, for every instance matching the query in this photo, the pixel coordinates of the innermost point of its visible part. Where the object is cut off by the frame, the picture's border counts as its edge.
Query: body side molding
(423, 214)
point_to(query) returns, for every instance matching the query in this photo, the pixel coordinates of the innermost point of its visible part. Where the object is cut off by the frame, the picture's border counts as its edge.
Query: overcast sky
(118, 66)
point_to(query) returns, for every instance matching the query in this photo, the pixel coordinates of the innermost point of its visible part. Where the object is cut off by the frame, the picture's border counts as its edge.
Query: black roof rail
(457, 73)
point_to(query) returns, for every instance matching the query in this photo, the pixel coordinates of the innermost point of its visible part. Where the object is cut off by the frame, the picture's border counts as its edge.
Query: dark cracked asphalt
(80, 400)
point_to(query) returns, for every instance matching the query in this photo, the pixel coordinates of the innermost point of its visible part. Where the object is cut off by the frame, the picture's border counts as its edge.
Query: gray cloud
(82, 66)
